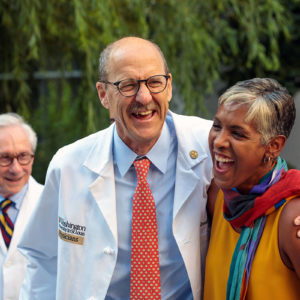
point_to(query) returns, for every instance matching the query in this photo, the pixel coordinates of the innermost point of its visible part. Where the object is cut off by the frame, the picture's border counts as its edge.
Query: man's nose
(15, 165)
(143, 95)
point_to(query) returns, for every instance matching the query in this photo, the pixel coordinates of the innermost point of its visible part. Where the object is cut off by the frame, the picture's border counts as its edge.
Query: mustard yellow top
(270, 279)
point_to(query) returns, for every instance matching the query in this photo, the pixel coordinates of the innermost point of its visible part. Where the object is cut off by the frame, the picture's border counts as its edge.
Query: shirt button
(108, 251)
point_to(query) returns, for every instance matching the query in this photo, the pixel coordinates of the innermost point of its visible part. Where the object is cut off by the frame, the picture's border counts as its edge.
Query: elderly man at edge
(19, 193)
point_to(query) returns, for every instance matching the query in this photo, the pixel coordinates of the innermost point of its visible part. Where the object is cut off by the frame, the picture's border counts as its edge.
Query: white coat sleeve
(39, 245)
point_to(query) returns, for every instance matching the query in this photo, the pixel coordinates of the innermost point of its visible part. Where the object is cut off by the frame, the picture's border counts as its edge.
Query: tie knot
(5, 204)
(141, 168)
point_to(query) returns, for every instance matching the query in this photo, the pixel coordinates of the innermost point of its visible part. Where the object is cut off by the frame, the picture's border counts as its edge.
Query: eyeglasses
(23, 159)
(129, 87)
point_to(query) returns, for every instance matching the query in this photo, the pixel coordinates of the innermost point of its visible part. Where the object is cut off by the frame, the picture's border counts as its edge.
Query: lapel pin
(193, 154)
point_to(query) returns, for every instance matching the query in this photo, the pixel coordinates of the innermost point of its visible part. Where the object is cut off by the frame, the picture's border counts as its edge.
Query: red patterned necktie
(145, 277)
(6, 225)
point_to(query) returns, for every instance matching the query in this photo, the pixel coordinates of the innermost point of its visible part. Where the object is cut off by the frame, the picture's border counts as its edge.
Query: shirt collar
(158, 155)
(18, 197)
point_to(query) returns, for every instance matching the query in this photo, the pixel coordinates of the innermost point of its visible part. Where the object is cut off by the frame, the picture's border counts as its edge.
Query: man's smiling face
(13, 141)
(139, 118)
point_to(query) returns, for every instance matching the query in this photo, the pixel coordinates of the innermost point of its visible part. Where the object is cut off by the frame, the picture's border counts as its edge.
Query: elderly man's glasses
(129, 87)
(23, 159)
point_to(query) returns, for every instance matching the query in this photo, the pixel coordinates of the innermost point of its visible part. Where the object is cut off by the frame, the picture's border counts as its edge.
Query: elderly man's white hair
(13, 119)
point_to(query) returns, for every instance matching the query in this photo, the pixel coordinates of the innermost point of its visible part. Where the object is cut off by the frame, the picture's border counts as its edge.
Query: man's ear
(102, 93)
(169, 87)
(275, 146)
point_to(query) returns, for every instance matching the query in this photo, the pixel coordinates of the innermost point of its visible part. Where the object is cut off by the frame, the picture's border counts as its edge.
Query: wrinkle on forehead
(14, 139)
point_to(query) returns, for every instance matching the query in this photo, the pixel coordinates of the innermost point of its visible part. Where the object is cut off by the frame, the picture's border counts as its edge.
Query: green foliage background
(205, 42)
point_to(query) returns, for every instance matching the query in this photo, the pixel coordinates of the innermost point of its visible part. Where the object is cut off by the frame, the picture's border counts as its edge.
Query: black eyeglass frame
(139, 84)
(18, 157)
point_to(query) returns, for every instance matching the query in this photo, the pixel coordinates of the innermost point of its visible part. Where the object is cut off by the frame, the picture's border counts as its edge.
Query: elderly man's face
(13, 141)
(139, 118)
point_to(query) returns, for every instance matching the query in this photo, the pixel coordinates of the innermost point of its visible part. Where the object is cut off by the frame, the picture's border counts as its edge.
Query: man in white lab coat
(17, 146)
(78, 240)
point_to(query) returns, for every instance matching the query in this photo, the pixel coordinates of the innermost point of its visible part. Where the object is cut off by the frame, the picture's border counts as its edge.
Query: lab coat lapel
(24, 212)
(28, 205)
(100, 161)
(3, 248)
(190, 154)
(183, 189)
(18, 229)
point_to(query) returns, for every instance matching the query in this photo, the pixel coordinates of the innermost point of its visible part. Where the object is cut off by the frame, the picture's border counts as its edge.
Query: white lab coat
(80, 193)
(13, 263)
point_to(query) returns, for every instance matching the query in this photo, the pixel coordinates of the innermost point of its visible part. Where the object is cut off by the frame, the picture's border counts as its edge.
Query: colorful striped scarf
(249, 213)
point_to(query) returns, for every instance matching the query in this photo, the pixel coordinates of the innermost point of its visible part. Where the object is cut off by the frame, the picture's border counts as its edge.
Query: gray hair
(13, 119)
(105, 57)
(271, 107)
